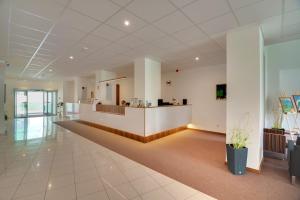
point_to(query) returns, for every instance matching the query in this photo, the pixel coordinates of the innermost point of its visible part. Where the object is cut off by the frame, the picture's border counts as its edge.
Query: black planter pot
(236, 159)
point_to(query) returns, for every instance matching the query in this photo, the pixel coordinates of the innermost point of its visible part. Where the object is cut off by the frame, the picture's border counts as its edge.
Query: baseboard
(252, 170)
(144, 139)
(206, 131)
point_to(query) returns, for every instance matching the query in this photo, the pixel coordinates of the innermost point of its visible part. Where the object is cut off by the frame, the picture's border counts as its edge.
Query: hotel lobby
(149, 99)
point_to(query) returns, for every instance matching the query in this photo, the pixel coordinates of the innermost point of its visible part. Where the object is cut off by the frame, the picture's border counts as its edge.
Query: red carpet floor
(197, 159)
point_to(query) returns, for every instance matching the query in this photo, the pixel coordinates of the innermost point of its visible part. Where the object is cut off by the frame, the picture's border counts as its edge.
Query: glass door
(51, 102)
(35, 103)
(29, 103)
(21, 103)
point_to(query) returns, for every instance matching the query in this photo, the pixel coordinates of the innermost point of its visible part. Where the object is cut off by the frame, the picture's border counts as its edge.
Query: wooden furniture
(274, 143)
(118, 110)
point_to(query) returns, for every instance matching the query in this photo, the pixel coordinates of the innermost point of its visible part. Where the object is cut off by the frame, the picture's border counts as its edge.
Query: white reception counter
(143, 122)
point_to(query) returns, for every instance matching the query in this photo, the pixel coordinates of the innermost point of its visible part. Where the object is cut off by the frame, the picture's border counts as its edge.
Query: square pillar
(2, 112)
(245, 86)
(147, 80)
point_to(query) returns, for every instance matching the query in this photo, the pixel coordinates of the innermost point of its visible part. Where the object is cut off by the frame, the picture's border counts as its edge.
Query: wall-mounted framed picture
(221, 91)
(296, 99)
(287, 105)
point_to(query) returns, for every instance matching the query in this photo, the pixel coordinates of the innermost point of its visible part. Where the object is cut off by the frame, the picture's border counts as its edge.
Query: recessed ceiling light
(71, 57)
(197, 58)
(85, 48)
(50, 70)
(126, 22)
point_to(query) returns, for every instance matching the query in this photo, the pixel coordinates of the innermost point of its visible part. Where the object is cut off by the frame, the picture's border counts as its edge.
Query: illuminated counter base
(142, 124)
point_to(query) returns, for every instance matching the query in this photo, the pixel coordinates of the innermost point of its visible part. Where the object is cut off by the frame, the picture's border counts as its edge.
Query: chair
(294, 163)
(298, 140)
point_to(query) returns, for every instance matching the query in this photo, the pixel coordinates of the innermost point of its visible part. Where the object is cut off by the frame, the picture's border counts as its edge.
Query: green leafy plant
(277, 118)
(239, 138)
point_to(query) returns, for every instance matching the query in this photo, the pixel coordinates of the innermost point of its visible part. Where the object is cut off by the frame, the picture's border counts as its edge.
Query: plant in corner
(237, 151)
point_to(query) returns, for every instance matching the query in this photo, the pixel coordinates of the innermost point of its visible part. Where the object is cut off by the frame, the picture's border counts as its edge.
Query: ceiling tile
(190, 34)
(66, 33)
(94, 43)
(117, 21)
(149, 33)
(258, 11)
(46, 8)
(173, 23)
(109, 32)
(27, 32)
(181, 3)
(291, 5)
(22, 47)
(291, 18)
(78, 21)
(19, 52)
(204, 10)
(98, 9)
(219, 24)
(290, 30)
(220, 39)
(151, 10)
(235, 4)
(208, 46)
(131, 41)
(166, 43)
(24, 40)
(31, 21)
(121, 2)
(271, 29)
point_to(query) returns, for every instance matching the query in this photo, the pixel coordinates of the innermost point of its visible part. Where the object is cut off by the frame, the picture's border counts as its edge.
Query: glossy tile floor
(40, 160)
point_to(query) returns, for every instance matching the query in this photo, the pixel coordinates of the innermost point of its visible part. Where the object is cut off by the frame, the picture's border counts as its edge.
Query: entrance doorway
(30, 103)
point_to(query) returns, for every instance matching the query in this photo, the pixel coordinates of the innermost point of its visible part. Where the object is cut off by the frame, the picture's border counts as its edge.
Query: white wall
(198, 85)
(282, 75)
(147, 80)
(245, 88)
(88, 84)
(2, 113)
(12, 84)
(68, 91)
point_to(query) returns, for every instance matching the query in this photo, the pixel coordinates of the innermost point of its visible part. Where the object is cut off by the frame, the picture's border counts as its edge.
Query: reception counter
(142, 124)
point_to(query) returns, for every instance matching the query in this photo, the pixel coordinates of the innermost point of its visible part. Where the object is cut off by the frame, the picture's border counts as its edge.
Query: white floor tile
(89, 187)
(64, 193)
(144, 185)
(180, 191)
(157, 194)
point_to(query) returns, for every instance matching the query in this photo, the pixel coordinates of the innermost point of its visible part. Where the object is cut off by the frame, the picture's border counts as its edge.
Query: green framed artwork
(287, 104)
(296, 99)
(221, 91)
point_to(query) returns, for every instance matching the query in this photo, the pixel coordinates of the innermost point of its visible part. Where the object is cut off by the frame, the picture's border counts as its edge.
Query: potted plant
(277, 124)
(237, 152)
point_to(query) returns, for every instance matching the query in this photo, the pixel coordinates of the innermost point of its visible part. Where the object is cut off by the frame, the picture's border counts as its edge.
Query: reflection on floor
(39, 160)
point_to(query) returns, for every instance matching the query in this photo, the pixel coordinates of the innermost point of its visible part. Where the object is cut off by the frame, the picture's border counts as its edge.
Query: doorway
(30, 103)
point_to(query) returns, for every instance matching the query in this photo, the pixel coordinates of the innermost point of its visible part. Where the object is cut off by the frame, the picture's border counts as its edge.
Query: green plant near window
(277, 115)
(239, 138)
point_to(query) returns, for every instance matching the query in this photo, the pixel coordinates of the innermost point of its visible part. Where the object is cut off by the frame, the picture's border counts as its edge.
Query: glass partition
(29, 103)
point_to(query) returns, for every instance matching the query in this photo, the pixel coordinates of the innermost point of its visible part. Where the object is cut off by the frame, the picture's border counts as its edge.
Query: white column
(2, 113)
(147, 80)
(245, 85)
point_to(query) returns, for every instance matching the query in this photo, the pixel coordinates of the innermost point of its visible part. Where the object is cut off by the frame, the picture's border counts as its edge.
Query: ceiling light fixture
(85, 48)
(50, 70)
(197, 58)
(71, 57)
(127, 23)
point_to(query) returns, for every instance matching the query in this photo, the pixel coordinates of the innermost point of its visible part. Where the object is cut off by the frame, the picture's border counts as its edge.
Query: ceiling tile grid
(93, 31)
